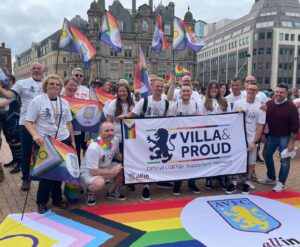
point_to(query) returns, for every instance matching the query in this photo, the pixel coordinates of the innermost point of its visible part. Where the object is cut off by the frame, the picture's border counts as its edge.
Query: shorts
(86, 179)
(252, 156)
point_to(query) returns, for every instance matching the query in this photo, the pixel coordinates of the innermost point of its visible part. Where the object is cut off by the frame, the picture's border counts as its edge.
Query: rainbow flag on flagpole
(71, 39)
(181, 71)
(141, 80)
(110, 32)
(159, 41)
(86, 114)
(183, 36)
(101, 95)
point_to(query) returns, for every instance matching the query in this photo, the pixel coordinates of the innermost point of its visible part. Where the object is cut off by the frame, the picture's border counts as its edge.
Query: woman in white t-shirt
(212, 104)
(50, 115)
(118, 108)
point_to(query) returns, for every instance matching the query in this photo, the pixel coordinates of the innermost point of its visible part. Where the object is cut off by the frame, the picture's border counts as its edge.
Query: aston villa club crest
(244, 215)
(89, 112)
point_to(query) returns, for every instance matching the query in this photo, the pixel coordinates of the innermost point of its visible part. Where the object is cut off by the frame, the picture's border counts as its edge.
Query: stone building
(5, 59)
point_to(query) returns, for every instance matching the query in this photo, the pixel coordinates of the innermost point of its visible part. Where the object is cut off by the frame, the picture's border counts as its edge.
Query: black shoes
(42, 208)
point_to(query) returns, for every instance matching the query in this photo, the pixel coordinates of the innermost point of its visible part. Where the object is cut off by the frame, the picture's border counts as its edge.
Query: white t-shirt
(216, 107)
(297, 102)
(154, 108)
(260, 97)
(195, 95)
(254, 116)
(97, 157)
(27, 89)
(180, 109)
(45, 114)
(231, 99)
(82, 93)
(111, 110)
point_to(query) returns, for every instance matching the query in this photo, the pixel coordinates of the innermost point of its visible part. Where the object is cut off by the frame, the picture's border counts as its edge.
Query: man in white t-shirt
(83, 92)
(152, 106)
(255, 121)
(236, 94)
(27, 89)
(97, 166)
(174, 93)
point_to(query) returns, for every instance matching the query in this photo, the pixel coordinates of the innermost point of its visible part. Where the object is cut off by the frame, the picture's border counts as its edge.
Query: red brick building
(5, 59)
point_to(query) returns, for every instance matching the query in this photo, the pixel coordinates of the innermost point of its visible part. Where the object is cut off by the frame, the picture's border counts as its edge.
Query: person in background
(224, 89)
(50, 115)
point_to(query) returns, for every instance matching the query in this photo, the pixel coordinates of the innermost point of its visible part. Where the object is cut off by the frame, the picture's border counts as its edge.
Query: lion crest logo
(244, 215)
(160, 147)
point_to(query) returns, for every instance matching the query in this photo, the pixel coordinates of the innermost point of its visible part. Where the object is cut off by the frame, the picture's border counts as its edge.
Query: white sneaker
(279, 187)
(266, 181)
(251, 185)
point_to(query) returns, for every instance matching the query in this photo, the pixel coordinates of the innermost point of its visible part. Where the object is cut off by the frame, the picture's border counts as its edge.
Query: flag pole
(56, 66)
(59, 36)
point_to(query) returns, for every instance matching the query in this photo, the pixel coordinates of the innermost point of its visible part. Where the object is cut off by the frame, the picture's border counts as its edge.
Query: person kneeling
(97, 166)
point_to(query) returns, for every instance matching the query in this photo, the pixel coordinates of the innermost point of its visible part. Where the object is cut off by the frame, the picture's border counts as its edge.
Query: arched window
(145, 26)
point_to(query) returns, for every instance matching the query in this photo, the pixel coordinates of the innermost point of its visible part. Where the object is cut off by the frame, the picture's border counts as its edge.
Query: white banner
(175, 148)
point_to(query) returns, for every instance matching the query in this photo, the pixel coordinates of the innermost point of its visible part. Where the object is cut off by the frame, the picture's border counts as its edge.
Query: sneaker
(90, 199)
(251, 185)
(246, 189)
(279, 187)
(259, 160)
(208, 184)
(16, 169)
(176, 190)
(25, 185)
(42, 208)
(194, 188)
(266, 181)
(146, 194)
(116, 195)
(61, 204)
(1, 173)
(10, 164)
(231, 188)
(164, 185)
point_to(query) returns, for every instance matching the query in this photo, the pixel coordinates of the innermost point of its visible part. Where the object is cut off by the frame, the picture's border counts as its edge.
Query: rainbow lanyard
(101, 143)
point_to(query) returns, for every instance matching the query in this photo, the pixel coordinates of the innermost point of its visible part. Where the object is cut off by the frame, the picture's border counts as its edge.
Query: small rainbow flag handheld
(86, 114)
(181, 71)
(67, 170)
(71, 39)
(168, 79)
(159, 41)
(110, 32)
(183, 36)
(101, 95)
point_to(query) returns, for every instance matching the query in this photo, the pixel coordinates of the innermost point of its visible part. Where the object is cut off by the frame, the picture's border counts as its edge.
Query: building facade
(5, 59)
(265, 43)
(136, 26)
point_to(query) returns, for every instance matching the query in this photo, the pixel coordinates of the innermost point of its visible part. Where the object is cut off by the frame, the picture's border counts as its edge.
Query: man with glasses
(283, 123)
(174, 93)
(27, 89)
(82, 91)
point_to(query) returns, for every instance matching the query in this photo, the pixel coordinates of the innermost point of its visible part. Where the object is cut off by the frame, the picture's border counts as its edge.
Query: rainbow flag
(168, 79)
(159, 41)
(141, 80)
(68, 170)
(110, 32)
(181, 71)
(71, 39)
(101, 95)
(86, 114)
(183, 36)
(129, 128)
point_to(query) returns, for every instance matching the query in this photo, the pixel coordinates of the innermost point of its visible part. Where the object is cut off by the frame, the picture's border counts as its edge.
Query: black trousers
(47, 186)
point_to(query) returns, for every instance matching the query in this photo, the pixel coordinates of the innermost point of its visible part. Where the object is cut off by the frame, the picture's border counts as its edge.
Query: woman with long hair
(213, 103)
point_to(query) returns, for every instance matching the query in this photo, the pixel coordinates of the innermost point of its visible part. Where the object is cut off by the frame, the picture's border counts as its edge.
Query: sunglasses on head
(78, 75)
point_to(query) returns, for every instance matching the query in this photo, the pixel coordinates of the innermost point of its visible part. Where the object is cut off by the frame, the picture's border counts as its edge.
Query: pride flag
(110, 32)
(183, 36)
(159, 41)
(168, 79)
(67, 170)
(181, 71)
(141, 80)
(101, 95)
(3, 77)
(71, 39)
(86, 114)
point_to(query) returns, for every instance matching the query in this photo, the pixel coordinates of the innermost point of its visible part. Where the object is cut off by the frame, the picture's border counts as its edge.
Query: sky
(25, 21)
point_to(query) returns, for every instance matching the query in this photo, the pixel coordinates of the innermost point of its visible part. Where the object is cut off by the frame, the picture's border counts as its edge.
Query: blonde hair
(46, 80)
(160, 79)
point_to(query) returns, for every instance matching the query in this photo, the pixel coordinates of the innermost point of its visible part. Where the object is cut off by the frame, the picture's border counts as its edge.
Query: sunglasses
(78, 75)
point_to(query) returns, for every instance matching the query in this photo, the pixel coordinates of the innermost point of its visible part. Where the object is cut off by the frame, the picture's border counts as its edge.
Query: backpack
(145, 105)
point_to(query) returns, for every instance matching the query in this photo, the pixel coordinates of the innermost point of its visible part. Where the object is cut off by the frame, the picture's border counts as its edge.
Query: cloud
(27, 21)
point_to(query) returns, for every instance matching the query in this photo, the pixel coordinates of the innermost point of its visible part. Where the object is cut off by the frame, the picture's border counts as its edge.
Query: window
(265, 24)
(128, 51)
(246, 29)
(292, 14)
(260, 66)
(269, 35)
(254, 66)
(145, 26)
(281, 35)
(298, 37)
(297, 24)
(292, 37)
(261, 51)
(267, 80)
(64, 59)
(268, 65)
(269, 50)
(254, 52)
(255, 36)
(286, 36)
(113, 53)
(236, 33)
(287, 24)
(261, 36)
(121, 25)
(65, 73)
(167, 29)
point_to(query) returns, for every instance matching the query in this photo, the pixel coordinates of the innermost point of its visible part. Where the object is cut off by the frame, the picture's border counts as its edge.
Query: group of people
(43, 112)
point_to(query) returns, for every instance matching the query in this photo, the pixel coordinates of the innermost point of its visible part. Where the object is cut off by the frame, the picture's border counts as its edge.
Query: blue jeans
(271, 146)
(26, 144)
